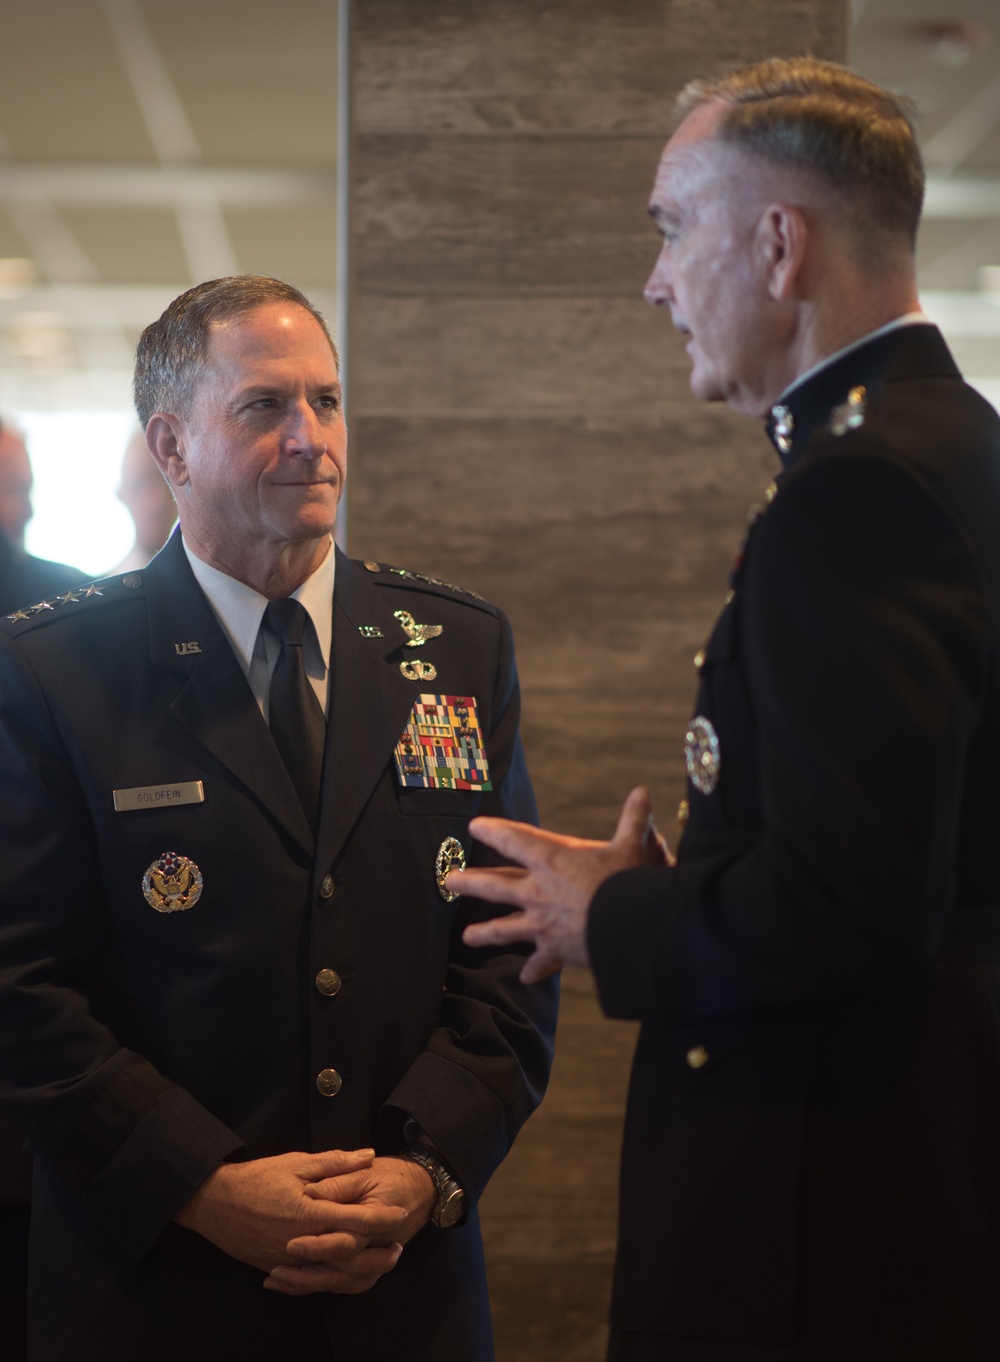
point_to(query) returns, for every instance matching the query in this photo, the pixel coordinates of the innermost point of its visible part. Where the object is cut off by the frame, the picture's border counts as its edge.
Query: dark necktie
(297, 723)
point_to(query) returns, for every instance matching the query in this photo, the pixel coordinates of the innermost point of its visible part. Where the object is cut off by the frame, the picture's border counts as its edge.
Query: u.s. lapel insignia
(418, 671)
(701, 755)
(441, 747)
(172, 883)
(418, 634)
(450, 856)
(186, 649)
(850, 414)
(370, 631)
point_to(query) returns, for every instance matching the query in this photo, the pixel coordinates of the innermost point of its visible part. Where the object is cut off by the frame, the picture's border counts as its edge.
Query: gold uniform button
(326, 887)
(696, 1058)
(683, 813)
(328, 1082)
(699, 659)
(328, 982)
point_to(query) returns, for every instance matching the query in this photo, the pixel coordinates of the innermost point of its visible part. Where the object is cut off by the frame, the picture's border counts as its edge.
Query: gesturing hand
(553, 883)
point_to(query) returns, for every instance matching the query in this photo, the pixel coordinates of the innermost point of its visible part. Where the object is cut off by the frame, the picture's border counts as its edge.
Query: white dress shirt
(239, 609)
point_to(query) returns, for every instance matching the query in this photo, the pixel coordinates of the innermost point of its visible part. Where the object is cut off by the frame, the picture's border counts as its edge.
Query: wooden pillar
(521, 423)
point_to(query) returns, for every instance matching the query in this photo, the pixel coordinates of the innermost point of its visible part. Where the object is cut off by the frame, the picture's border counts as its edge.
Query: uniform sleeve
(863, 637)
(486, 1065)
(131, 1144)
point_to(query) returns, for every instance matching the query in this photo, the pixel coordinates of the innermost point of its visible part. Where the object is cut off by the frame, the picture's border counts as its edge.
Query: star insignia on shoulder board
(850, 415)
(42, 605)
(68, 596)
(19, 615)
(418, 634)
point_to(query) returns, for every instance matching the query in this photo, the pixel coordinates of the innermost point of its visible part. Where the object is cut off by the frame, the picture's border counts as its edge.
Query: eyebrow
(256, 390)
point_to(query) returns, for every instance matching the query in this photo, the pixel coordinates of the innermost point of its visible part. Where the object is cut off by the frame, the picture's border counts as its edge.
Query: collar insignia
(850, 414)
(783, 427)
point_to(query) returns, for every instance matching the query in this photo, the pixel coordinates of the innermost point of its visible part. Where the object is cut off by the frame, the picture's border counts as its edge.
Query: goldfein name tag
(159, 796)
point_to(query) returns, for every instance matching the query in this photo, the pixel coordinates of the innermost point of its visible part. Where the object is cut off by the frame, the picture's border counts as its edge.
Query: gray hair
(822, 117)
(172, 351)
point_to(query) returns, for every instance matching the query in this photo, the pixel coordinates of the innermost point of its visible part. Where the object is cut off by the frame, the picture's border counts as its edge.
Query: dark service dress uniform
(811, 1164)
(23, 579)
(305, 993)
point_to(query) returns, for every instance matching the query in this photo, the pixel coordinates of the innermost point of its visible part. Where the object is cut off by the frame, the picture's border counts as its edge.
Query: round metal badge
(172, 883)
(451, 856)
(701, 755)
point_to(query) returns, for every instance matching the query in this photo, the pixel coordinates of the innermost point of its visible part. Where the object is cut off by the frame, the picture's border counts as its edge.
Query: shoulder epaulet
(409, 575)
(105, 588)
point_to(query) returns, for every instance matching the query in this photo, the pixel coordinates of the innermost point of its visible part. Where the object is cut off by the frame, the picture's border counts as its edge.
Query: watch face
(451, 1210)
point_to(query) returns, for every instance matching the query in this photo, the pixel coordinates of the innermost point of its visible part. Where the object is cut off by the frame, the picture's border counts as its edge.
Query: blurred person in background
(144, 493)
(23, 578)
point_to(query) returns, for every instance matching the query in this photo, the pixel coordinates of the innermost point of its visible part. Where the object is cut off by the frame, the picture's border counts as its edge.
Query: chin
(706, 387)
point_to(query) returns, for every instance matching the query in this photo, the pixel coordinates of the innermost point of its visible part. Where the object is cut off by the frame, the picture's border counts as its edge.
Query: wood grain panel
(596, 65)
(468, 214)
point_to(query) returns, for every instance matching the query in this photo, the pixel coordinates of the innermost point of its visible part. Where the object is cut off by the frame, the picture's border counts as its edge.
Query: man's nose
(659, 290)
(305, 434)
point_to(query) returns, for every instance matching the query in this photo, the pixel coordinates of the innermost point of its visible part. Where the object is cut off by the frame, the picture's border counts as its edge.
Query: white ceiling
(945, 54)
(146, 145)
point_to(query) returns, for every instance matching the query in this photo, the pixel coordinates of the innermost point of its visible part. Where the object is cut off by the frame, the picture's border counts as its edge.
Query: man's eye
(328, 402)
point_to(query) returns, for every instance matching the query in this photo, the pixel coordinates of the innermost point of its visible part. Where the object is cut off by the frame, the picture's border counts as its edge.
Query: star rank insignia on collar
(850, 415)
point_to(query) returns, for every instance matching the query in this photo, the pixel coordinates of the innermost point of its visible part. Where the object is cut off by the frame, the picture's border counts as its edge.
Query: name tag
(159, 796)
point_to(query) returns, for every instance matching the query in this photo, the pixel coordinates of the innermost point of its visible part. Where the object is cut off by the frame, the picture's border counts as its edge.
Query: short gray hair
(822, 117)
(172, 351)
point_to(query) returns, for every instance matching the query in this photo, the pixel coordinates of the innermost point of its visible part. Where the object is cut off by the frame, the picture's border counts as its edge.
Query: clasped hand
(335, 1221)
(553, 882)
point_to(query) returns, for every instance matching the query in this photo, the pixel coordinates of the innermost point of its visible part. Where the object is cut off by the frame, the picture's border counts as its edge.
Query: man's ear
(781, 239)
(165, 441)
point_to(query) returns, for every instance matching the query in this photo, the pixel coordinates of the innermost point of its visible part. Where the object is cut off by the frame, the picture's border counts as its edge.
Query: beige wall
(521, 424)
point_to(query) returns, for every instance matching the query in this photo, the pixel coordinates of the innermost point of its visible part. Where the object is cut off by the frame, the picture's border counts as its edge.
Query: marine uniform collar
(829, 395)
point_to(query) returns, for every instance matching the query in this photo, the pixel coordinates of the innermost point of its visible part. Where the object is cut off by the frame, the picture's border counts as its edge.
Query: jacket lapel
(370, 702)
(214, 703)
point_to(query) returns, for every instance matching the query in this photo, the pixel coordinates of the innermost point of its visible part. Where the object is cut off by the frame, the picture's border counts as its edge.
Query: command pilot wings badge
(418, 634)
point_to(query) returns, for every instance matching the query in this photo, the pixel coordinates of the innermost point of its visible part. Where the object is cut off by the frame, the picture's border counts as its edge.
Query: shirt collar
(908, 319)
(240, 609)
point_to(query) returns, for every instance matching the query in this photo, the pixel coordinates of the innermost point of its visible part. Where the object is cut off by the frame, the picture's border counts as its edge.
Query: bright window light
(76, 458)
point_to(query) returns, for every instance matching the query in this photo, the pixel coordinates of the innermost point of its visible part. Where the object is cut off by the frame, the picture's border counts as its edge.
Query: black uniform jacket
(138, 1048)
(23, 580)
(812, 1156)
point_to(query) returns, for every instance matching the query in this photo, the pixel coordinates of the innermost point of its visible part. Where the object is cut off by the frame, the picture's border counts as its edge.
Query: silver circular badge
(701, 754)
(451, 856)
(172, 883)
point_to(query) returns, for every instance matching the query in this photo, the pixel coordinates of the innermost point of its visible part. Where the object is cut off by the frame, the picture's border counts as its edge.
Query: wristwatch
(450, 1205)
